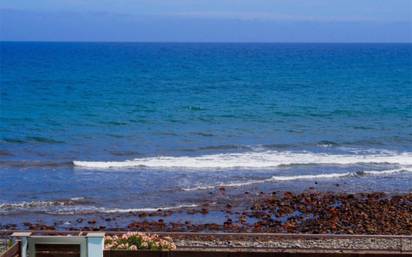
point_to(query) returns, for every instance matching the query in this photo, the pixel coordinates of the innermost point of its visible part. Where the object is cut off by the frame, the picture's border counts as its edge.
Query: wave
(271, 179)
(42, 204)
(117, 210)
(32, 139)
(76, 206)
(224, 147)
(35, 164)
(327, 143)
(44, 140)
(382, 172)
(5, 153)
(85, 210)
(300, 177)
(250, 160)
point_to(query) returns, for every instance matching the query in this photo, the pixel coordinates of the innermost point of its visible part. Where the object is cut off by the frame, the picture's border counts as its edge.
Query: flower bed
(135, 241)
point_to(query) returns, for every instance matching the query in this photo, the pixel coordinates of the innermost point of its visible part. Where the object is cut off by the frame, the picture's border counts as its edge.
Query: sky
(207, 20)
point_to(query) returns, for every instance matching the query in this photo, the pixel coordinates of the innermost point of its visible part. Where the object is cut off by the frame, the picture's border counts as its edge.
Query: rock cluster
(278, 212)
(307, 212)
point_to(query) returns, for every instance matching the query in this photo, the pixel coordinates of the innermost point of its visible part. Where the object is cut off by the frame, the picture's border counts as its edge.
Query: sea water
(114, 127)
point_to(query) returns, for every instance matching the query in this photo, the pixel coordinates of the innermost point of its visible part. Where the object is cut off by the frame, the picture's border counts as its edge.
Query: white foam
(250, 160)
(76, 206)
(299, 177)
(318, 176)
(271, 179)
(40, 204)
(92, 209)
(384, 172)
(117, 210)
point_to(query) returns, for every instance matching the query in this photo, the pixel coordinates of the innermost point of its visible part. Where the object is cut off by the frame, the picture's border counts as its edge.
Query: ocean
(89, 128)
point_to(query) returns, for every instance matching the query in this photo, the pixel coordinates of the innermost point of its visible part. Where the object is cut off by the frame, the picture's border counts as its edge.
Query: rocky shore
(309, 212)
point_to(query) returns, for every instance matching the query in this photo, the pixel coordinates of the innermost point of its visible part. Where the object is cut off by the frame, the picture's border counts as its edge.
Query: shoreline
(310, 211)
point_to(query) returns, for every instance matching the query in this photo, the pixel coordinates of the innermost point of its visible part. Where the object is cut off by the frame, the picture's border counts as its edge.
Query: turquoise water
(185, 118)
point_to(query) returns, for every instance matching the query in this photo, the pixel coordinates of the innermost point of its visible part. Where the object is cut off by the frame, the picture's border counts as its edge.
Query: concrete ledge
(268, 242)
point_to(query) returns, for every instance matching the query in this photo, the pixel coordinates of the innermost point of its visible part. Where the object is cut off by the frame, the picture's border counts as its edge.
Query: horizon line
(206, 42)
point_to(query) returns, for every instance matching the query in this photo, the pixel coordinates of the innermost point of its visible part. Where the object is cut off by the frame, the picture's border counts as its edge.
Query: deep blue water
(193, 116)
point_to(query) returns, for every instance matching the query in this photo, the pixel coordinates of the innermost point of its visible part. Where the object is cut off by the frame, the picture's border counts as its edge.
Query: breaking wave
(250, 160)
